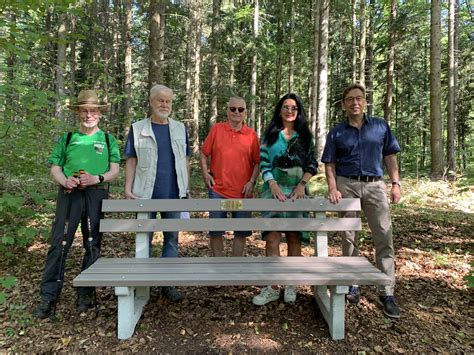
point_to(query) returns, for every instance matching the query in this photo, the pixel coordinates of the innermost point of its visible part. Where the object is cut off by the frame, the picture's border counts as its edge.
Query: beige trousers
(376, 209)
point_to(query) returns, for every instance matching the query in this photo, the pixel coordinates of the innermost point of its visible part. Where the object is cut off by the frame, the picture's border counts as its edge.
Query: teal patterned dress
(286, 162)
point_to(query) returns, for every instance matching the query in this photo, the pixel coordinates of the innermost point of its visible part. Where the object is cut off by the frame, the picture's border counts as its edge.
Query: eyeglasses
(240, 109)
(356, 99)
(93, 111)
(289, 108)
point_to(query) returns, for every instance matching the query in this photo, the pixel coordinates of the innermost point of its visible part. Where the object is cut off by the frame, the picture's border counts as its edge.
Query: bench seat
(329, 276)
(224, 271)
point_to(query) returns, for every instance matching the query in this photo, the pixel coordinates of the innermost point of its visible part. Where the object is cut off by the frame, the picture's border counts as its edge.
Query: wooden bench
(133, 277)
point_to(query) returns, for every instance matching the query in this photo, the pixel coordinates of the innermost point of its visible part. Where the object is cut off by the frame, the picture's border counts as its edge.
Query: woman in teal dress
(287, 163)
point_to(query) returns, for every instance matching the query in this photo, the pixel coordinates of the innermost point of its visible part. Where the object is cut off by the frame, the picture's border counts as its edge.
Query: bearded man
(157, 165)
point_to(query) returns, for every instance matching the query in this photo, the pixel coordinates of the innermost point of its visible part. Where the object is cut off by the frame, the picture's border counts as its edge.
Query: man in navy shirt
(157, 166)
(356, 151)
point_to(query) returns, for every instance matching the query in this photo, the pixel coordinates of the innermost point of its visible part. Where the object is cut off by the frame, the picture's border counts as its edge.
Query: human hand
(334, 196)
(298, 192)
(209, 180)
(276, 191)
(70, 184)
(129, 195)
(248, 188)
(86, 179)
(395, 193)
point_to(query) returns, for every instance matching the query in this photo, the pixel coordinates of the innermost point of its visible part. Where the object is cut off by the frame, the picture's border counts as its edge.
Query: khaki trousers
(376, 209)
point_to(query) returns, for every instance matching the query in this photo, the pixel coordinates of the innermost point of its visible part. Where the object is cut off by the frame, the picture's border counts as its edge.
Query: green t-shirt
(85, 152)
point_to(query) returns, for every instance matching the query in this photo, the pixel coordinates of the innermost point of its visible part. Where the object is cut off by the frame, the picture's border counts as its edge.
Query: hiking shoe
(43, 310)
(353, 297)
(172, 293)
(268, 294)
(84, 302)
(390, 308)
(290, 294)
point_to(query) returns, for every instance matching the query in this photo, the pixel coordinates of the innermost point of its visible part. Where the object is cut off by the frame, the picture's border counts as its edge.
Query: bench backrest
(320, 223)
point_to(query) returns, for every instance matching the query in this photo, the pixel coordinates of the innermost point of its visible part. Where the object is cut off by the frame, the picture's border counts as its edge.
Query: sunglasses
(290, 108)
(240, 109)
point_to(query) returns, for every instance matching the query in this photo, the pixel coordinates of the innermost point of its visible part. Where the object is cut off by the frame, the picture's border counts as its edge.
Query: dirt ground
(433, 255)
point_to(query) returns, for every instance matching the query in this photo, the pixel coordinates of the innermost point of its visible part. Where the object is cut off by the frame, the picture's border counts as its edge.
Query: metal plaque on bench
(233, 205)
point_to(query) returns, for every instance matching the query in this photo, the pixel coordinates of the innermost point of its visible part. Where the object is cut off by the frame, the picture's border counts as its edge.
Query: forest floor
(434, 242)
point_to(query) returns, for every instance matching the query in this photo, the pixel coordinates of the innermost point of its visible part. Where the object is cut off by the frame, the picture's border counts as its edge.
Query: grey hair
(157, 88)
(238, 98)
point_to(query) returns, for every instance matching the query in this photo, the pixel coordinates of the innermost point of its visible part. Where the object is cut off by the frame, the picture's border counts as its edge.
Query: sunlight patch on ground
(257, 342)
(38, 245)
(438, 193)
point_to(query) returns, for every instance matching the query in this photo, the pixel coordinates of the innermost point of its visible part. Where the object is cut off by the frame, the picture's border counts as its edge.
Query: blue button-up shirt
(360, 151)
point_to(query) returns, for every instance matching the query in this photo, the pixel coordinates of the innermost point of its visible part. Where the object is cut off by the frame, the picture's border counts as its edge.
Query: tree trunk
(291, 63)
(197, 73)
(451, 92)
(156, 26)
(212, 117)
(323, 78)
(370, 60)
(72, 56)
(253, 80)
(12, 97)
(354, 40)
(279, 37)
(390, 62)
(60, 65)
(315, 98)
(459, 119)
(127, 41)
(363, 44)
(193, 68)
(436, 128)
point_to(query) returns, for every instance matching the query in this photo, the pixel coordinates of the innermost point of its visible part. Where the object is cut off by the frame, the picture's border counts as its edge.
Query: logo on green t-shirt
(99, 147)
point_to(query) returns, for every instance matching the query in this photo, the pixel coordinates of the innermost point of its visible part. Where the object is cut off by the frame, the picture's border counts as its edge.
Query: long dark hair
(276, 124)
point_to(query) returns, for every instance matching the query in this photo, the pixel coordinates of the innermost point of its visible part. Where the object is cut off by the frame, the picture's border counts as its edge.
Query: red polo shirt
(233, 156)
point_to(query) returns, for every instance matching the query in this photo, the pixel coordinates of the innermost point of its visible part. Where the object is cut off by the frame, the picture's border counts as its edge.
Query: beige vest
(147, 156)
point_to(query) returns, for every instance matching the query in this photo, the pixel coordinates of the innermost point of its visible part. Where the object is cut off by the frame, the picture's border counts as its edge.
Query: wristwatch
(303, 182)
(101, 179)
(397, 182)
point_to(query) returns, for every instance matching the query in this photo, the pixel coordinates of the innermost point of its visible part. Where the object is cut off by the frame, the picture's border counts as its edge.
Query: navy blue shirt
(166, 181)
(360, 151)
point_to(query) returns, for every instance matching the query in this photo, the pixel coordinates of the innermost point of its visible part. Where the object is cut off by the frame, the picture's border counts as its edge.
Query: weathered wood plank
(195, 204)
(230, 224)
(159, 272)
(346, 260)
(235, 279)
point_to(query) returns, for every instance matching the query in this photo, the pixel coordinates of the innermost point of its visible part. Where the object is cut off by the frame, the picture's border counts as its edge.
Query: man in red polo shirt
(234, 151)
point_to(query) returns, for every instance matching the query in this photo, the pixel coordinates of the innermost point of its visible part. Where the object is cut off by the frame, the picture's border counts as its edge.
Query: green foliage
(18, 217)
(6, 283)
(22, 318)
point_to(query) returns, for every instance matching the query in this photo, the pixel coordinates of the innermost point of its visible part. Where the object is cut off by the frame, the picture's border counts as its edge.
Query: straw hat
(87, 98)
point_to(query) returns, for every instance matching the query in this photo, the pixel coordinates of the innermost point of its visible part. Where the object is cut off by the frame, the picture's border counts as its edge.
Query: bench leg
(131, 301)
(332, 303)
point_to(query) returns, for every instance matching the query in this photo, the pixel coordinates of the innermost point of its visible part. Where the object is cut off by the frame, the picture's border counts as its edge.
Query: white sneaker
(290, 294)
(268, 294)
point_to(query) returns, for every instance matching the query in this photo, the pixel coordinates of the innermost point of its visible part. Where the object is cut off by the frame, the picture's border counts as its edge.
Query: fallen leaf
(66, 341)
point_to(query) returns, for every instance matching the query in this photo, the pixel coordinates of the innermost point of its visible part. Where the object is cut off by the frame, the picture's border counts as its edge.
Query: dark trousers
(80, 206)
